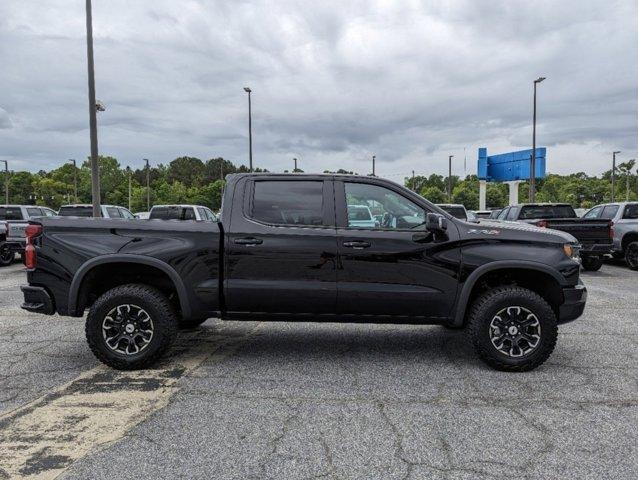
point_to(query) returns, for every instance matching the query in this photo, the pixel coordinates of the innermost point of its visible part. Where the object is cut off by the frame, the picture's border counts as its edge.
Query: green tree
(433, 194)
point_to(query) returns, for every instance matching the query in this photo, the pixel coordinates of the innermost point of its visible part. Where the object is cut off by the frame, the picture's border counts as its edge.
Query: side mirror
(435, 223)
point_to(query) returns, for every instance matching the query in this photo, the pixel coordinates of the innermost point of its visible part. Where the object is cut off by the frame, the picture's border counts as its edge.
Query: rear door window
(513, 213)
(609, 212)
(113, 212)
(297, 203)
(503, 214)
(631, 211)
(34, 212)
(125, 213)
(202, 213)
(594, 212)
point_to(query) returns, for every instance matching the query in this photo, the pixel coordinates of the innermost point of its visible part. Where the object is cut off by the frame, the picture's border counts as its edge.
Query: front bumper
(574, 305)
(37, 300)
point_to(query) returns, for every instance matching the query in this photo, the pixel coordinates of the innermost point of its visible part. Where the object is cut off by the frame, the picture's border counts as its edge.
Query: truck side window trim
(342, 209)
(327, 203)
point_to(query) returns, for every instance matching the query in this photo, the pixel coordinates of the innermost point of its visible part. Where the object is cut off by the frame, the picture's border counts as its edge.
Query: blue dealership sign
(511, 166)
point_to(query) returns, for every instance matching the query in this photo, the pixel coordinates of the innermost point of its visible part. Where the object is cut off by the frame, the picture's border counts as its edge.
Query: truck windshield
(172, 213)
(547, 211)
(70, 211)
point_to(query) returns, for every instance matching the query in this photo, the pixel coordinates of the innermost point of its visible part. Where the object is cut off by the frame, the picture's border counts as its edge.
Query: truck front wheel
(592, 264)
(130, 326)
(631, 255)
(512, 328)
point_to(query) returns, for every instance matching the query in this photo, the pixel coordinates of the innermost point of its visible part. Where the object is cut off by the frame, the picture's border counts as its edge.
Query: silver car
(624, 216)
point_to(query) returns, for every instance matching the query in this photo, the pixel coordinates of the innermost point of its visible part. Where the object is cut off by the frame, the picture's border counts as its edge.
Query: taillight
(542, 224)
(31, 232)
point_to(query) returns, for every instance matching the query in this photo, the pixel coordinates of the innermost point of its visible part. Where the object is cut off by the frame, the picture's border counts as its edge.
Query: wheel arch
(511, 271)
(128, 259)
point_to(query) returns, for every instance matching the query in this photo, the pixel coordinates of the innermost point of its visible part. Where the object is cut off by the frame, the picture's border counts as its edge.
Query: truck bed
(589, 232)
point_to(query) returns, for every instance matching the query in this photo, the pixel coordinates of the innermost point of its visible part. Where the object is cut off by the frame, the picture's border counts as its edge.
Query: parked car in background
(482, 213)
(361, 216)
(285, 250)
(142, 215)
(456, 210)
(495, 213)
(594, 235)
(624, 218)
(14, 220)
(182, 212)
(86, 210)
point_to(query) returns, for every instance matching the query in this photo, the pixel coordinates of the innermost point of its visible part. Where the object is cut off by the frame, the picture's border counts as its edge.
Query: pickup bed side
(78, 260)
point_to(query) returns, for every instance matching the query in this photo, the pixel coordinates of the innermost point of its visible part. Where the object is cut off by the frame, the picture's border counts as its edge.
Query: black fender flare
(86, 267)
(468, 285)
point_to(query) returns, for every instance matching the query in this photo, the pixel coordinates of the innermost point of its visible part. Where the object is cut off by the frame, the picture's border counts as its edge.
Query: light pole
(532, 167)
(75, 179)
(613, 176)
(295, 169)
(628, 175)
(93, 108)
(128, 170)
(148, 185)
(250, 129)
(374, 158)
(449, 178)
(6, 181)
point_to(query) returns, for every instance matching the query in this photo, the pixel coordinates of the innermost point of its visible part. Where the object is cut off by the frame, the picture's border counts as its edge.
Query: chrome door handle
(357, 245)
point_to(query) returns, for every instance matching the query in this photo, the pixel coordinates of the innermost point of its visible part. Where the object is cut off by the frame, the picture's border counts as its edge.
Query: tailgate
(16, 231)
(586, 231)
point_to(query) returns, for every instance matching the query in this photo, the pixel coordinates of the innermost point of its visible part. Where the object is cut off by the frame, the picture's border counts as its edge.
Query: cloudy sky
(333, 82)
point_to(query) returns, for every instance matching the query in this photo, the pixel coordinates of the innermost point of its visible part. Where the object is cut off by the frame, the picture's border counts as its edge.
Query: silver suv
(624, 217)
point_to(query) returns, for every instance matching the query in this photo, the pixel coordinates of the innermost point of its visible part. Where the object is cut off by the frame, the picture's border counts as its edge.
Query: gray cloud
(333, 82)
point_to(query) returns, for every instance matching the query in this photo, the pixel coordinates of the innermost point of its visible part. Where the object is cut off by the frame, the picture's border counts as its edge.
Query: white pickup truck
(13, 222)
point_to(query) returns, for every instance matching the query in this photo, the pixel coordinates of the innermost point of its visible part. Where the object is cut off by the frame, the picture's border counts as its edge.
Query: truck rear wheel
(592, 264)
(512, 329)
(6, 257)
(631, 255)
(130, 326)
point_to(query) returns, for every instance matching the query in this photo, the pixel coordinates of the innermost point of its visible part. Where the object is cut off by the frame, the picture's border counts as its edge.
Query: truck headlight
(571, 251)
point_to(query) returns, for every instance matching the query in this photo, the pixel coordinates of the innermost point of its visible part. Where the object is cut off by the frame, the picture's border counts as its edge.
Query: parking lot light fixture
(6, 181)
(75, 179)
(148, 186)
(532, 166)
(250, 129)
(613, 175)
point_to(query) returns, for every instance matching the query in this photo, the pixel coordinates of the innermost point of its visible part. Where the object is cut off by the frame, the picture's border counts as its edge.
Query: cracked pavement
(282, 400)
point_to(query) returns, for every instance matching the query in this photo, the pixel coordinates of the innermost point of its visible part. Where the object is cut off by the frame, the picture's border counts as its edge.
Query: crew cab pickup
(595, 236)
(284, 249)
(13, 222)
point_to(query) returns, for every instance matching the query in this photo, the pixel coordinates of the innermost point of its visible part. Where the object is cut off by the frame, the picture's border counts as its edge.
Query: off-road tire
(631, 255)
(6, 258)
(592, 264)
(190, 323)
(485, 308)
(158, 307)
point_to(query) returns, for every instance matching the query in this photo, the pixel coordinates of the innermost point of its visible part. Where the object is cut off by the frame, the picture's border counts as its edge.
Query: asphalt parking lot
(274, 400)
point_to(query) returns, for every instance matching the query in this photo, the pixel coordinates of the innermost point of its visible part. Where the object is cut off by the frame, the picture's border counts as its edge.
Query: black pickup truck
(595, 236)
(285, 249)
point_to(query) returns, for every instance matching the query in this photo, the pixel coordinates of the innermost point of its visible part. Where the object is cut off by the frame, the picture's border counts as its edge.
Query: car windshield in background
(10, 213)
(172, 213)
(529, 212)
(456, 212)
(76, 212)
(631, 211)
